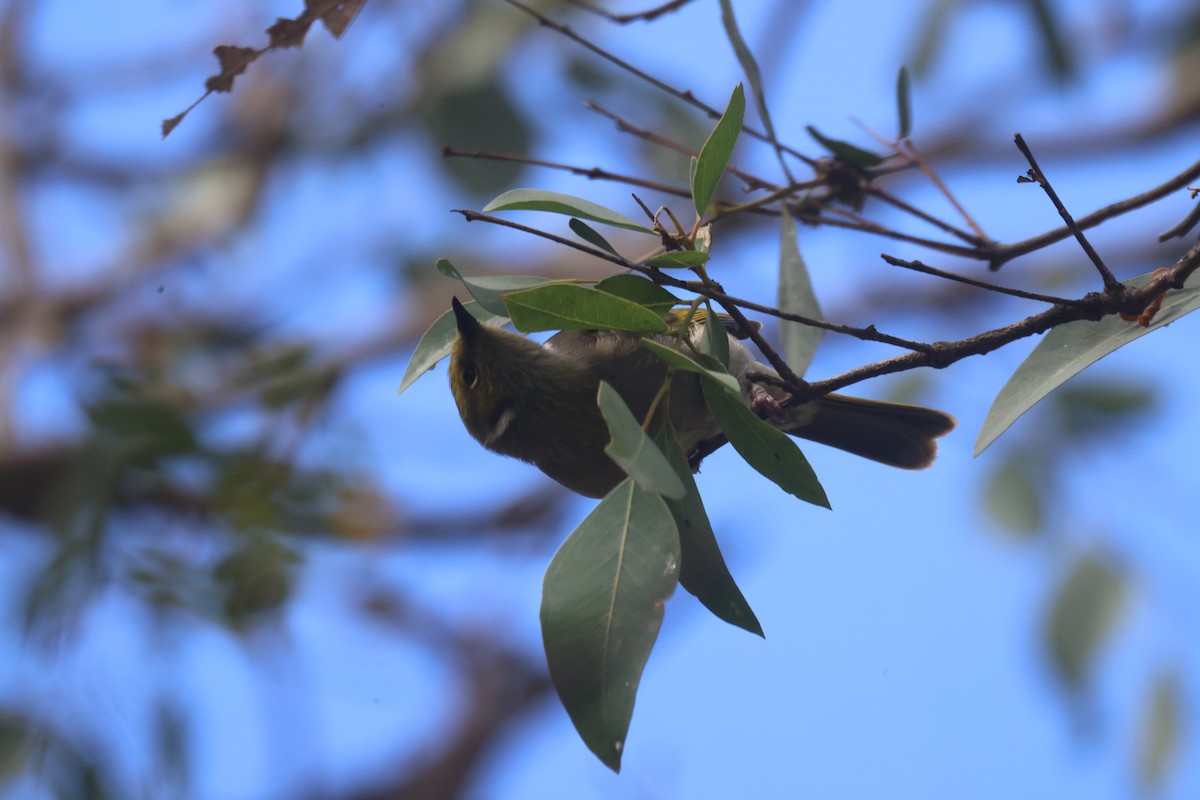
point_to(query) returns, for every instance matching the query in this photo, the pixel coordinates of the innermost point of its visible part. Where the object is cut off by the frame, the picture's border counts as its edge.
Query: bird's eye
(469, 377)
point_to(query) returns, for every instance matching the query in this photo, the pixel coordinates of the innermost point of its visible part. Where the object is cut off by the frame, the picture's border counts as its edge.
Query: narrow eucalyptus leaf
(1162, 730)
(773, 453)
(716, 340)
(633, 450)
(851, 154)
(749, 65)
(489, 290)
(556, 203)
(1069, 349)
(796, 296)
(589, 235)
(602, 606)
(1082, 617)
(904, 102)
(702, 569)
(678, 360)
(714, 156)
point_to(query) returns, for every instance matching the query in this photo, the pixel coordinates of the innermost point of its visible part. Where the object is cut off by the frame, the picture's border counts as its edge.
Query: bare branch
(648, 15)
(682, 94)
(1111, 284)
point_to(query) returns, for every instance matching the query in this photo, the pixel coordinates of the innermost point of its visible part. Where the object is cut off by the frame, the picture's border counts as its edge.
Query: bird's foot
(762, 403)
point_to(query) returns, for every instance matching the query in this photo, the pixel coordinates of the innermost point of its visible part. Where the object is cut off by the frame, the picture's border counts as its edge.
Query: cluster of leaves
(604, 590)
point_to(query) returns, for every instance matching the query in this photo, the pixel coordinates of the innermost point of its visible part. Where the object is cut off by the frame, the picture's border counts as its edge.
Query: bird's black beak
(468, 326)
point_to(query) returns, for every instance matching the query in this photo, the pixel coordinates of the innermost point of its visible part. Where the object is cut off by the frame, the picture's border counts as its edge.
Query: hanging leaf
(558, 306)
(904, 102)
(555, 203)
(714, 156)
(1014, 497)
(678, 360)
(1068, 349)
(602, 606)
(749, 65)
(715, 341)
(589, 235)
(1161, 732)
(1082, 617)
(853, 155)
(773, 453)
(634, 451)
(796, 296)
(702, 570)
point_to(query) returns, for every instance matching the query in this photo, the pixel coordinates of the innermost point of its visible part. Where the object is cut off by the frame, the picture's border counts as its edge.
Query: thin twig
(857, 223)
(908, 150)
(937, 222)
(625, 126)
(592, 173)
(1111, 284)
(649, 14)
(1001, 255)
(639, 16)
(914, 155)
(1097, 306)
(682, 94)
(1183, 227)
(917, 266)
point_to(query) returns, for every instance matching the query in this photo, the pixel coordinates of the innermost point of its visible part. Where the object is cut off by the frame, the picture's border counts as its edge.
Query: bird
(537, 402)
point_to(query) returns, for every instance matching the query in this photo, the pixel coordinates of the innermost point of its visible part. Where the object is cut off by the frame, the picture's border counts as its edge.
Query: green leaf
(853, 155)
(714, 156)
(1082, 616)
(602, 606)
(771, 452)
(147, 428)
(932, 33)
(437, 341)
(1014, 498)
(555, 203)
(796, 296)
(676, 259)
(18, 743)
(678, 360)
(1054, 44)
(558, 306)
(639, 290)
(904, 102)
(633, 450)
(1100, 407)
(489, 289)
(1068, 349)
(749, 65)
(589, 235)
(715, 341)
(702, 570)
(1161, 732)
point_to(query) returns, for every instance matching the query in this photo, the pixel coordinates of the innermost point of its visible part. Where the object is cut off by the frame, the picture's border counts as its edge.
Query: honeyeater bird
(537, 402)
